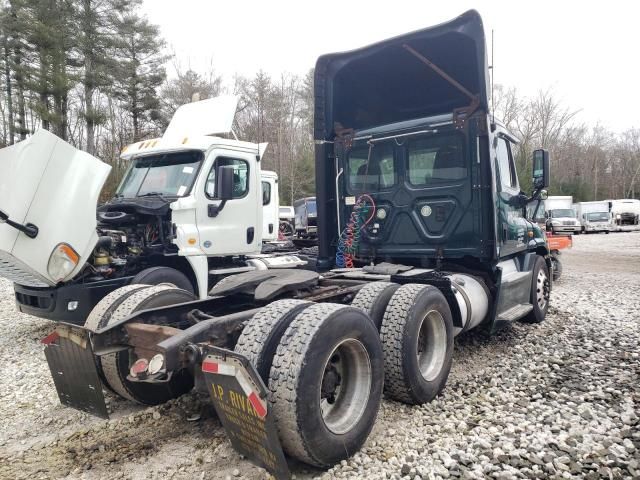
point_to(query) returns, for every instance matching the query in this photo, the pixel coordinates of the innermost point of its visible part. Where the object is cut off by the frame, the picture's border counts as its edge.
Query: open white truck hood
(52, 185)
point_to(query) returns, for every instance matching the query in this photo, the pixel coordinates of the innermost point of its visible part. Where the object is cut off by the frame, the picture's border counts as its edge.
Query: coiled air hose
(363, 212)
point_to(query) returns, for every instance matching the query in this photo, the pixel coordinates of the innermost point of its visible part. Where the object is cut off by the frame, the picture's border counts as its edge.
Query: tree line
(94, 72)
(589, 162)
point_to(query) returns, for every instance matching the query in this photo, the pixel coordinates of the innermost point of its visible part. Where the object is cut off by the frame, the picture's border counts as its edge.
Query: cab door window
(240, 177)
(266, 193)
(506, 167)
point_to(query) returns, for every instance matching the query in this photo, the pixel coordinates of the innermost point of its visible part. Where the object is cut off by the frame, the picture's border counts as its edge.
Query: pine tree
(97, 40)
(139, 72)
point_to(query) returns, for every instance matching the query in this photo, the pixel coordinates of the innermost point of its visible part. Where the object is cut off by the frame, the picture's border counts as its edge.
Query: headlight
(556, 222)
(62, 261)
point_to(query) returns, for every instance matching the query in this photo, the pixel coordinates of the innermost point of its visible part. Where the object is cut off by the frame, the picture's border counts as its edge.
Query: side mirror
(224, 185)
(540, 169)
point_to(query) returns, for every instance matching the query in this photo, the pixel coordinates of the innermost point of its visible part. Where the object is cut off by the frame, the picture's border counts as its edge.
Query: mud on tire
(320, 422)
(417, 340)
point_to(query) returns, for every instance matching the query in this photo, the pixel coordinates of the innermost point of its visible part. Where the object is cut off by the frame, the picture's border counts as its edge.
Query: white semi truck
(560, 215)
(192, 208)
(593, 216)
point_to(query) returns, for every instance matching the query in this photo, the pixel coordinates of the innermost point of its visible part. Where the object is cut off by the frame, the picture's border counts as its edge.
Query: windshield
(563, 212)
(170, 174)
(598, 216)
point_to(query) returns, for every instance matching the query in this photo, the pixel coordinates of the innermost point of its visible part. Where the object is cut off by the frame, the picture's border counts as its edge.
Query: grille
(567, 222)
(17, 272)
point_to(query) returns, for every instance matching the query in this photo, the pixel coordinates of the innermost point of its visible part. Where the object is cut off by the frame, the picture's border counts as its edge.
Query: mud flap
(74, 372)
(240, 399)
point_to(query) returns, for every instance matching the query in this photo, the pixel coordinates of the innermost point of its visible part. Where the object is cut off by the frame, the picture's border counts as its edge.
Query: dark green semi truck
(422, 235)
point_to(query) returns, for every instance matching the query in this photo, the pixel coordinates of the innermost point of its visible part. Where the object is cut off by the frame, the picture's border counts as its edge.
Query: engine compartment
(129, 236)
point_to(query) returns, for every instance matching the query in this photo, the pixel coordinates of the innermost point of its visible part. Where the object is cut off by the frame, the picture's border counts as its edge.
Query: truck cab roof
(202, 142)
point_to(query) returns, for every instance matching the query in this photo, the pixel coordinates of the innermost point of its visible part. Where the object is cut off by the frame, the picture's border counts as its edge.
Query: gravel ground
(555, 400)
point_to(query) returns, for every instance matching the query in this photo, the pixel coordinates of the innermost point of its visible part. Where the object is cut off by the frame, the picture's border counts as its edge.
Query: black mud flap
(240, 399)
(73, 369)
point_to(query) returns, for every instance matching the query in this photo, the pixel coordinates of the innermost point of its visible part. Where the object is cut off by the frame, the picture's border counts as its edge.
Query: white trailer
(560, 215)
(593, 216)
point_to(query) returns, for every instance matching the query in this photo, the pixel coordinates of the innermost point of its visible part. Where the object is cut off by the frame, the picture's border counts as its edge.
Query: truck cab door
(233, 227)
(512, 226)
(270, 207)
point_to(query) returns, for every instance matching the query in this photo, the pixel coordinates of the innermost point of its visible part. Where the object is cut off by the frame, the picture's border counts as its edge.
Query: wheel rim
(542, 289)
(432, 345)
(346, 385)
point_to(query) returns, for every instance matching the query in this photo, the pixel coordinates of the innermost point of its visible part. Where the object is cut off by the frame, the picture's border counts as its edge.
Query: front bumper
(597, 228)
(54, 303)
(567, 228)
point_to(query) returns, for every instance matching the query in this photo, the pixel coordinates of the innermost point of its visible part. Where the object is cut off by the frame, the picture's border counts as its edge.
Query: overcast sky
(587, 52)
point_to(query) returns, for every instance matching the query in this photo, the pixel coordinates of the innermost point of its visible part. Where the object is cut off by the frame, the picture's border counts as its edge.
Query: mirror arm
(534, 196)
(214, 210)
(29, 229)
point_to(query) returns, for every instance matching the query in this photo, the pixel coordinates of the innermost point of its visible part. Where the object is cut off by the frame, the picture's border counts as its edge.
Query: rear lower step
(515, 312)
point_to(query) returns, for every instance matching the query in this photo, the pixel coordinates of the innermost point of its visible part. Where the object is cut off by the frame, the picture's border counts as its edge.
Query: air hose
(363, 212)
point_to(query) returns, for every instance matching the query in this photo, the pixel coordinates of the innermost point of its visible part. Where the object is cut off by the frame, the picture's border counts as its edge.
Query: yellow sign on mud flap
(240, 399)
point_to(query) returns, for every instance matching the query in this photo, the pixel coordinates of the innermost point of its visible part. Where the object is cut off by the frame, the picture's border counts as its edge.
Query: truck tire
(540, 289)
(417, 340)
(115, 366)
(557, 267)
(158, 275)
(100, 314)
(261, 335)
(326, 383)
(373, 299)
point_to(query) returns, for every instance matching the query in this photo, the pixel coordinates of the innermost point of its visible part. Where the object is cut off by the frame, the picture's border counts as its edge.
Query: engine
(127, 241)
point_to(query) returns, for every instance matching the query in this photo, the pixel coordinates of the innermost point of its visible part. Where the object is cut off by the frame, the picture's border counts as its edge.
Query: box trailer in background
(593, 216)
(625, 213)
(560, 215)
(306, 214)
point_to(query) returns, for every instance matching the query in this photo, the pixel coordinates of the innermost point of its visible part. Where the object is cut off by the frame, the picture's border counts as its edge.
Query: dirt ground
(494, 386)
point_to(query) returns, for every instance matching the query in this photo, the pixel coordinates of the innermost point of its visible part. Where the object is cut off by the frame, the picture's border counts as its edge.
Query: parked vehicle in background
(560, 215)
(287, 220)
(625, 213)
(593, 216)
(306, 217)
